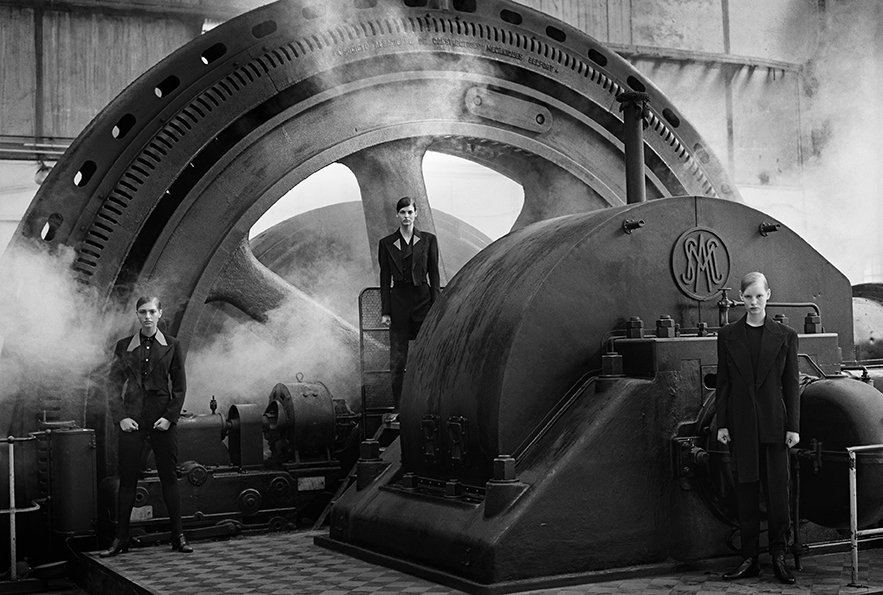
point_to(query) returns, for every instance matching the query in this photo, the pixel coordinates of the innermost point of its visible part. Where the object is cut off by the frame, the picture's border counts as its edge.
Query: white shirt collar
(136, 340)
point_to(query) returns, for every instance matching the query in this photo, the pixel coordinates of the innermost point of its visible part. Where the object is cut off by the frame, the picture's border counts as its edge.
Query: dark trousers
(775, 479)
(410, 305)
(398, 359)
(165, 451)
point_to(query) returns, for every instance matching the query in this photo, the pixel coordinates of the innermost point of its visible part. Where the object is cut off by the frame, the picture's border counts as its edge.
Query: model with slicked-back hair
(757, 403)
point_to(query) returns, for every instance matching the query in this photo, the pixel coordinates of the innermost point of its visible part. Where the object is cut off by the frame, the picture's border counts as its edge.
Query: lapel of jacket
(393, 245)
(773, 337)
(417, 244)
(131, 357)
(738, 346)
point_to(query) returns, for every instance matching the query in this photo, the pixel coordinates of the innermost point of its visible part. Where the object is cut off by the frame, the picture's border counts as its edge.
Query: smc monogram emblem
(700, 263)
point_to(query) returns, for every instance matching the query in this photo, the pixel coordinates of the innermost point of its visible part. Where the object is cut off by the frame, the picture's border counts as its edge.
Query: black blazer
(159, 394)
(757, 407)
(424, 264)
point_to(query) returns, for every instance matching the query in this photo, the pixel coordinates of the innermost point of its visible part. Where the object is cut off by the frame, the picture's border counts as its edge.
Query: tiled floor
(290, 563)
(269, 564)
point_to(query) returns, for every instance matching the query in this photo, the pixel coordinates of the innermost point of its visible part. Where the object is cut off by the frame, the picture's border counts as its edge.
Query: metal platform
(291, 563)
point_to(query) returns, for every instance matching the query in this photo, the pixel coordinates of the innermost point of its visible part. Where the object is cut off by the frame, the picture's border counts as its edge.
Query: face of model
(755, 298)
(407, 215)
(149, 315)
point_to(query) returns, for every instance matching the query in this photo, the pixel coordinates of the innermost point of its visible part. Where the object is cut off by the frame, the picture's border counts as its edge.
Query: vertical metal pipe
(853, 517)
(13, 574)
(633, 105)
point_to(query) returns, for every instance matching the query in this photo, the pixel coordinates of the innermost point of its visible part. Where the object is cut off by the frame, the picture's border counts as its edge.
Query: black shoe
(118, 546)
(179, 544)
(781, 569)
(748, 568)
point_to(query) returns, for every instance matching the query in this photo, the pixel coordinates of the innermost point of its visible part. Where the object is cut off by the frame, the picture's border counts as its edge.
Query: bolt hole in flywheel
(161, 189)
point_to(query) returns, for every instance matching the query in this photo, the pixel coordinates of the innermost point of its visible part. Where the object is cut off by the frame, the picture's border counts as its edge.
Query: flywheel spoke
(386, 173)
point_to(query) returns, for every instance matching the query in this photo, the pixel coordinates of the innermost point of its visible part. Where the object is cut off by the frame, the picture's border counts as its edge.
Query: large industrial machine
(159, 191)
(557, 416)
(258, 467)
(558, 413)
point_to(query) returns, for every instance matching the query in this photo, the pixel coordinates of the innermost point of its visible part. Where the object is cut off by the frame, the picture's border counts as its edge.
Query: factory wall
(774, 87)
(87, 58)
(779, 90)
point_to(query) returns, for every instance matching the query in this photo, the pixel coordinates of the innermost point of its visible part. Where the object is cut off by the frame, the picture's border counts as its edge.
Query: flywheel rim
(93, 187)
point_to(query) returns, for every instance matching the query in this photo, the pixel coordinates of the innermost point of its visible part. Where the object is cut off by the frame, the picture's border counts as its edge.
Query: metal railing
(854, 533)
(12, 510)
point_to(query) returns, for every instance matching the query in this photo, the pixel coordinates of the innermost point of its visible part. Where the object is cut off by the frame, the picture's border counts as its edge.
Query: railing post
(13, 573)
(853, 517)
(12, 510)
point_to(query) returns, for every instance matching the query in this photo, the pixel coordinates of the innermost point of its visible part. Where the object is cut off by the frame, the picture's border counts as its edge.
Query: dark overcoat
(424, 265)
(147, 398)
(756, 407)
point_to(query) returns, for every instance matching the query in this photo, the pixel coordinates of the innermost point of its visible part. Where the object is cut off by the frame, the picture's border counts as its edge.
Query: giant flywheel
(166, 181)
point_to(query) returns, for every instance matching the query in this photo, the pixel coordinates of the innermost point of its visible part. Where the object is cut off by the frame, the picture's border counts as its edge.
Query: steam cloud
(841, 174)
(56, 336)
(53, 329)
(244, 360)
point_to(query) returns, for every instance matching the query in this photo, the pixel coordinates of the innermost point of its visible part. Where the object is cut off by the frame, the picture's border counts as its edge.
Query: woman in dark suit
(758, 416)
(409, 285)
(147, 386)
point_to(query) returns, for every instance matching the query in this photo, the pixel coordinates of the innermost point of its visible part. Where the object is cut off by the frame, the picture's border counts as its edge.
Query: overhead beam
(641, 52)
(29, 148)
(214, 9)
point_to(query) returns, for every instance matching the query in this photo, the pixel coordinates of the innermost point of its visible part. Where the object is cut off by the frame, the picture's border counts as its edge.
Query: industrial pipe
(633, 106)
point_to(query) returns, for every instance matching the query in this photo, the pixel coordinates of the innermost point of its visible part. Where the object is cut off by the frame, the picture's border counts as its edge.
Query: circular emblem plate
(700, 263)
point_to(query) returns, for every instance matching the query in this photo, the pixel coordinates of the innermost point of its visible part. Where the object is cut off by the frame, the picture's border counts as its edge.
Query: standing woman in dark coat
(147, 386)
(758, 414)
(409, 285)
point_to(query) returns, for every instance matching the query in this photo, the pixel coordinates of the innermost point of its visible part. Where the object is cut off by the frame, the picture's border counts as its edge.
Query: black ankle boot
(748, 568)
(781, 569)
(118, 546)
(179, 544)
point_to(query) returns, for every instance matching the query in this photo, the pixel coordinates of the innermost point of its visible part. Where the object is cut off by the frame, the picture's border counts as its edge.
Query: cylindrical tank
(838, 413)
(301, 421)
(72, 480)
(199, 439)
(245, 435)
(867, 303)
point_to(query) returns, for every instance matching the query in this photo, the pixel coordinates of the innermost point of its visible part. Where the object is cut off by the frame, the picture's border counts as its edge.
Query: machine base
(515, 586)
